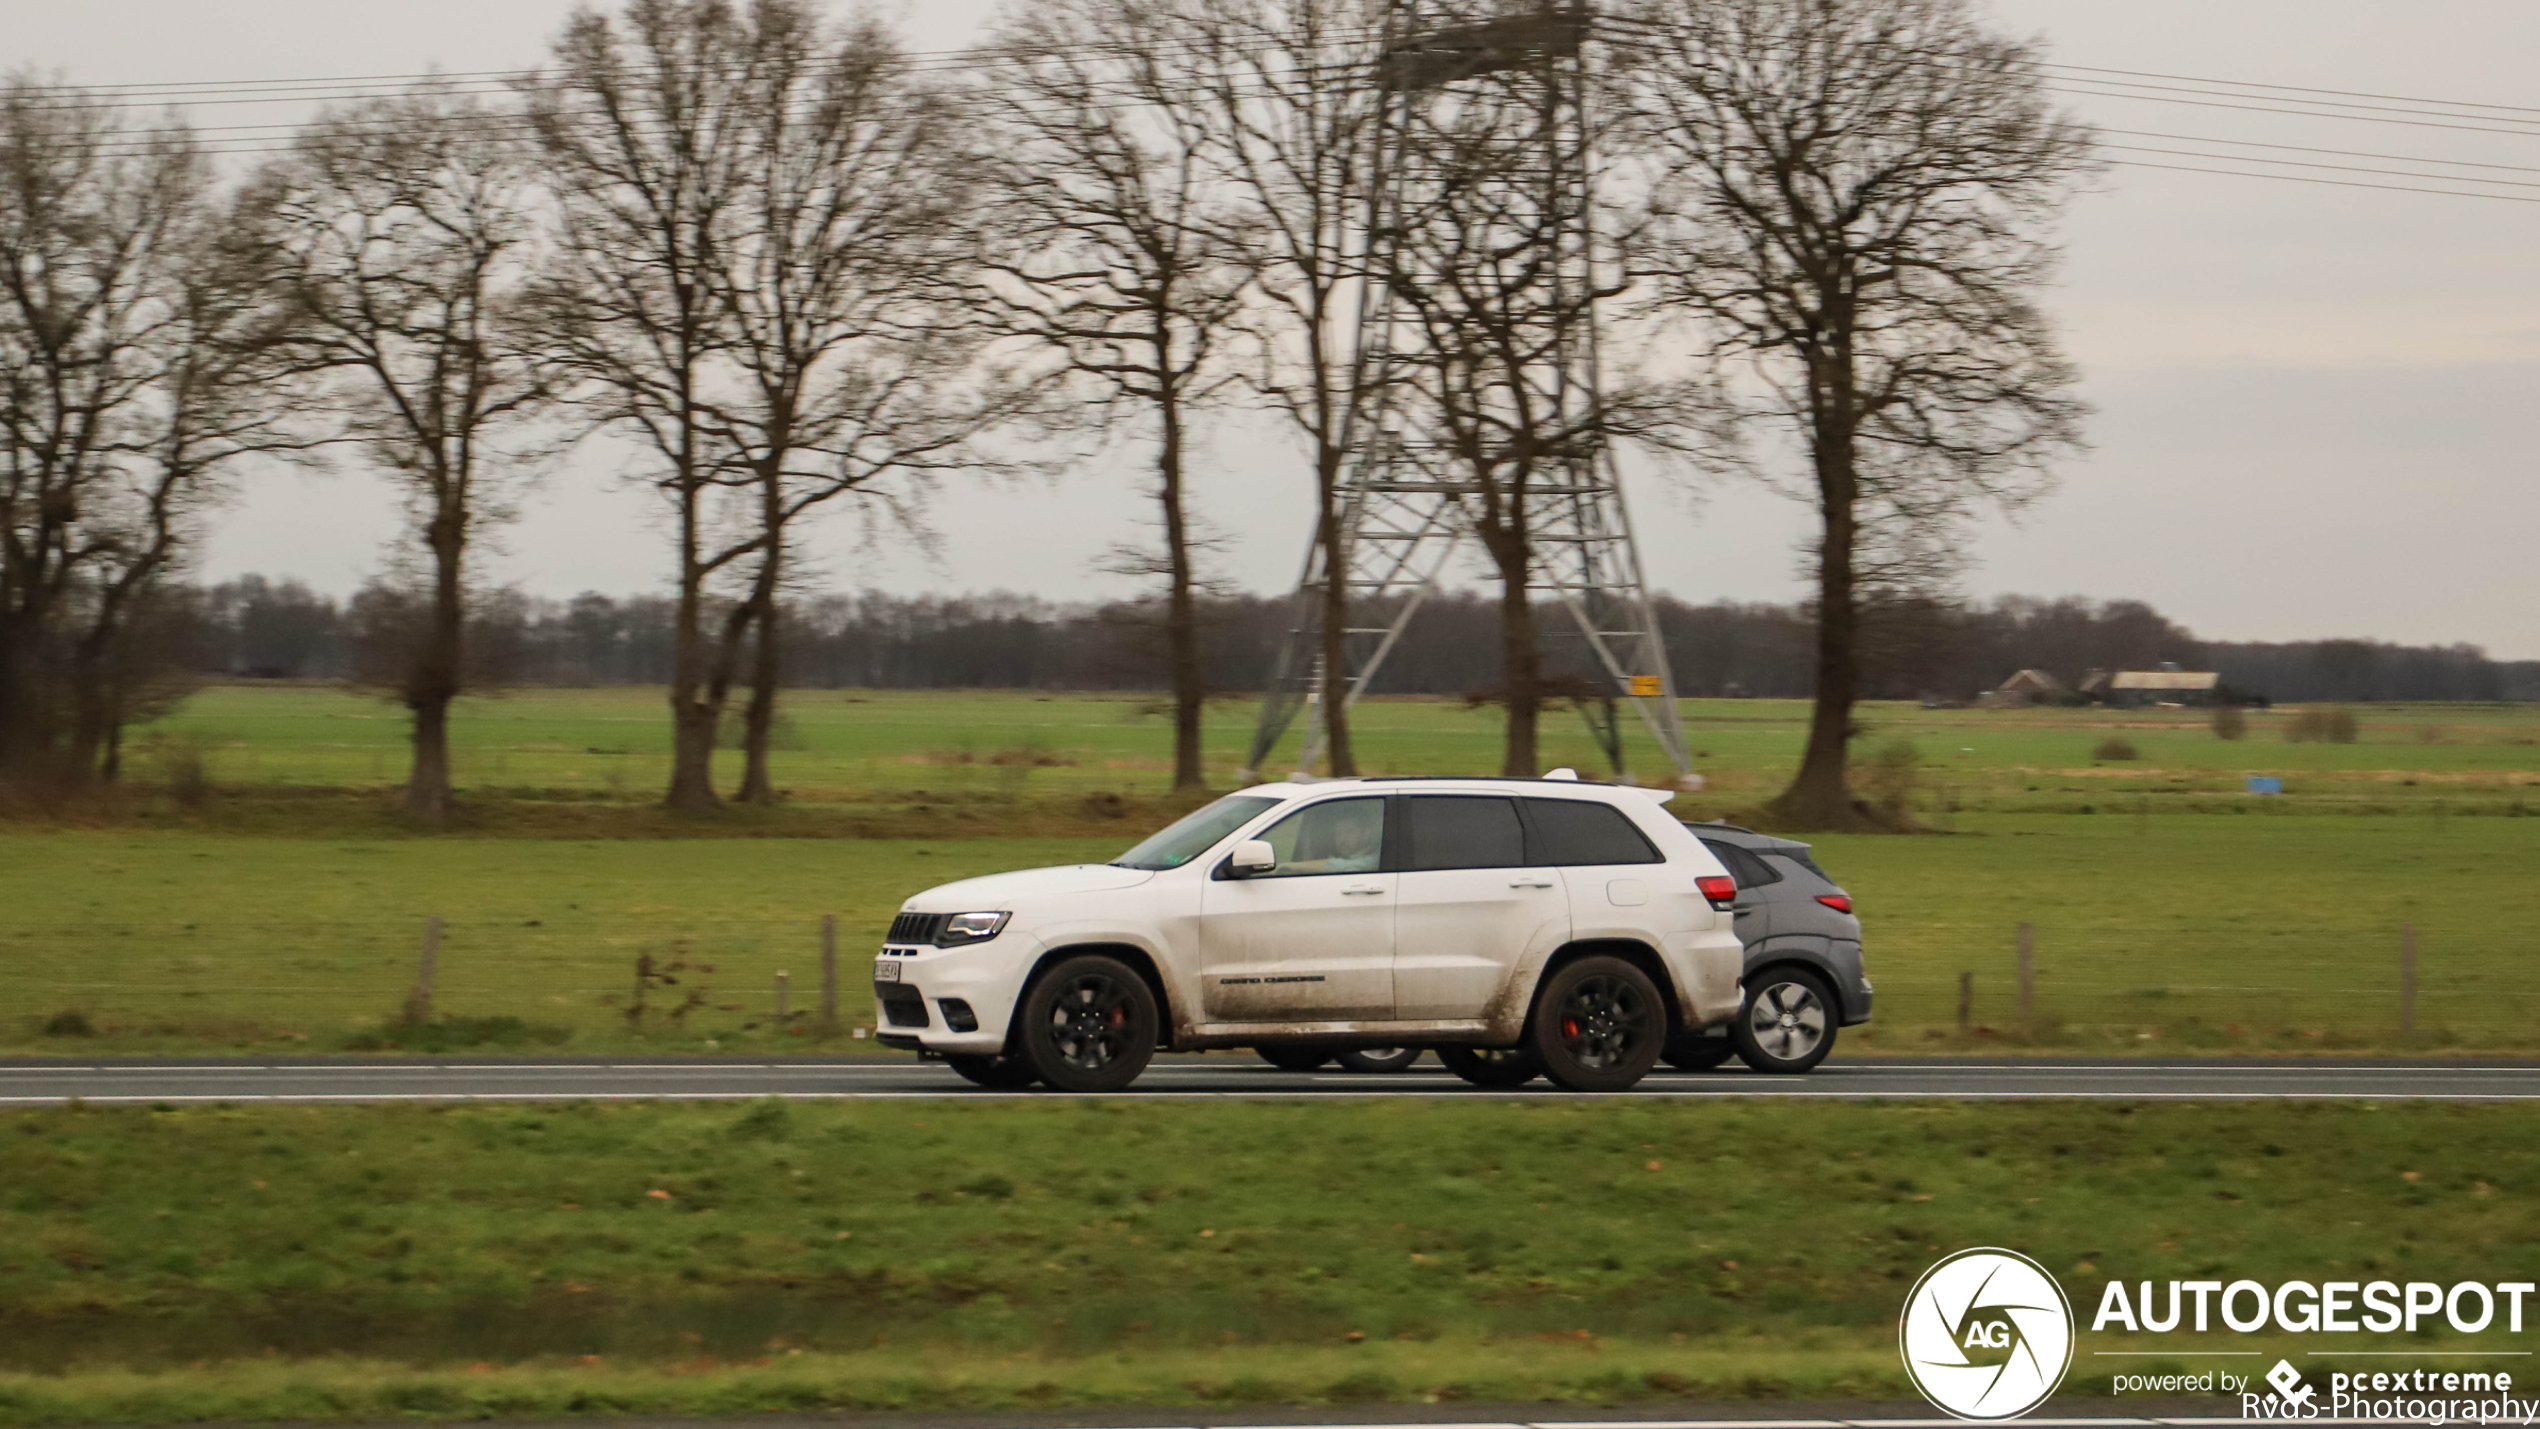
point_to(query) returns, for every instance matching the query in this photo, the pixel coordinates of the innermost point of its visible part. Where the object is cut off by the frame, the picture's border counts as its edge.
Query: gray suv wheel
(1788, 1023)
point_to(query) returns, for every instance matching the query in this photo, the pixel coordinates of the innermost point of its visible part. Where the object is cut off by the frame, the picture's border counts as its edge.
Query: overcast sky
(2314, 402)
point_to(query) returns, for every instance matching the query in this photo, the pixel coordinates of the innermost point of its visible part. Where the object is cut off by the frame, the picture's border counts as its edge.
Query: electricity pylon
(1404, 504)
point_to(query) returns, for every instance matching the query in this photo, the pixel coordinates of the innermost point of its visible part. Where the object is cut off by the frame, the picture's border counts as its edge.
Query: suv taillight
(1719, 888)
(1839, 902)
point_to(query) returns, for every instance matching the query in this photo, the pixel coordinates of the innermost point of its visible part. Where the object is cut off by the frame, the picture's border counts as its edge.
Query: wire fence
(530, 983)
(611, 982)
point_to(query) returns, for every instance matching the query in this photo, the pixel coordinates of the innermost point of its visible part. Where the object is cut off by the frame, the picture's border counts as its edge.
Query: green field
(2168, 932)
(397, 1262)
(893, 748)
(285, 909)
(367, 1263)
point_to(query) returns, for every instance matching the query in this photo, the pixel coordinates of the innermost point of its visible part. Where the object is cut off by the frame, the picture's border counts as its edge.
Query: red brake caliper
(1570, 1028)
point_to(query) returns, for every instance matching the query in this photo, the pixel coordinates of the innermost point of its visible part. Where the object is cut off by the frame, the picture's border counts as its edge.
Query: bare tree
(220, 363)
(1287, 113)
(1110, 253)
(644, 127)
(124, 335)
(398, 229)
(1855, 197)
(855, 367)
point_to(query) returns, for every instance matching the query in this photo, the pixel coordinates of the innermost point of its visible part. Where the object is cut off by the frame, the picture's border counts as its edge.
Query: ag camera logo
(1987, 1334)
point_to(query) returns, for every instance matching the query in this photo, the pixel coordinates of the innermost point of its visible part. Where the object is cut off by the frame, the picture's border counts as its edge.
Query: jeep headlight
(963, 928)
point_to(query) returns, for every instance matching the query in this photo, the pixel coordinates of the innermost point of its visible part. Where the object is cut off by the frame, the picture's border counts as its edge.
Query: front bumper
(938, 988)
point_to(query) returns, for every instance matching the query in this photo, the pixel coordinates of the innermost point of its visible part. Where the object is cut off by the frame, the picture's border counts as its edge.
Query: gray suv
(1803, 958)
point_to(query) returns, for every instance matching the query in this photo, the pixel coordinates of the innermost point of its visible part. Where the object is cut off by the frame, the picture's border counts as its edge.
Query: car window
(1742, 864)
(1570, 832)
(1195, 833)
(1804, 861)
(1337, 836)
(1449, 831)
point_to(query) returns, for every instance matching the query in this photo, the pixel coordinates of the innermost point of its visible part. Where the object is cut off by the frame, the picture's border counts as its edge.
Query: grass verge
(345, 1262)
(2163, 933)
(358, 1390)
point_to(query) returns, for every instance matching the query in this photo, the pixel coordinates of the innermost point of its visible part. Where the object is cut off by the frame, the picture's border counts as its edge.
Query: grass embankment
(370, 1262)
(2159, 933)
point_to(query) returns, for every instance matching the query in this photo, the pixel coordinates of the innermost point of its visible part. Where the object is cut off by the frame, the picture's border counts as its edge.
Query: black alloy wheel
(1599, 1025)
(1003, 1072)
(1291, 1057)
(1499, 1068)
(1378, 1059)
(1089, 1025)
(1787, 1025)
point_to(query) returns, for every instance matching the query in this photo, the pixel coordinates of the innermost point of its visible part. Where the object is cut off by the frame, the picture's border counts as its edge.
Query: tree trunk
(1520, 662)
(692, 714)
(1181, 613)
(1820, 795)
(1335, 711)
(428, 787)
(435, 679)
(759, 720)
(91, 715)
(25, 735)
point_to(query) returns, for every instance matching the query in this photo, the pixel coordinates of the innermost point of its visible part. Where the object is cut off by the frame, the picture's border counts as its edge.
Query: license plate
(886, 970)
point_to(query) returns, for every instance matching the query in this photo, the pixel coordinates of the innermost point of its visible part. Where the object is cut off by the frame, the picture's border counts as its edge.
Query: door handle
(1530, 883)
(1359, 888)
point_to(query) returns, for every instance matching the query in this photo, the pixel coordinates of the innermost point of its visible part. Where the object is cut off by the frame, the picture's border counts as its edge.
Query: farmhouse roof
(2165, 680)
(2037, 680)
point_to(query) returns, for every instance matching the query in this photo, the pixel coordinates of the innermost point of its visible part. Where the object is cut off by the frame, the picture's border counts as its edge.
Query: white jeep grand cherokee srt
(1518, 926)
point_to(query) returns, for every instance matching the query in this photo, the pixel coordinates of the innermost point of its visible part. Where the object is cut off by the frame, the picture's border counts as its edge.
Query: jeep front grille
(916, 929)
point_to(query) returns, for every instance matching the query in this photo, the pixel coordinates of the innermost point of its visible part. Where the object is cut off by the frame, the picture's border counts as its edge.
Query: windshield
(1195, 833)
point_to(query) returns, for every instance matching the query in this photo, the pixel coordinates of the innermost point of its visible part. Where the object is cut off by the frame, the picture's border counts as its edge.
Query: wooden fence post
(781, 1012)
(1966, 999)
(2408, 977)
(2028, 975)
(829, 973)
(427, 968)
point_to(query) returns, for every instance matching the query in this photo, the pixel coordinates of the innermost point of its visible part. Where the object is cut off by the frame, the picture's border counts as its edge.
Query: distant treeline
(261, 628)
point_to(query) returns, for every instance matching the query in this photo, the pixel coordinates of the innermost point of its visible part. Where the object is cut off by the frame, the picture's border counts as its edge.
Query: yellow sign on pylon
(1644, 686)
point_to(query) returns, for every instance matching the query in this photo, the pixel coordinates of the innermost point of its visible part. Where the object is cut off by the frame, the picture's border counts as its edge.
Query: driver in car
(1355, 834)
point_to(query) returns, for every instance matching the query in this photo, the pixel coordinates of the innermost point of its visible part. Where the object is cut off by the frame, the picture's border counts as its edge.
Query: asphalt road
(41, 1082)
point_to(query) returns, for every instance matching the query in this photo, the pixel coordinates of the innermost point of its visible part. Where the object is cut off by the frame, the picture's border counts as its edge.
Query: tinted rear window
(1451, 832)
(1804, 861)
(1742, 864)
(1570, 832)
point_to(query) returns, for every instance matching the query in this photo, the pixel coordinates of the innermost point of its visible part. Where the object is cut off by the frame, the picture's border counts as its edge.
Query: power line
(2299, 89)
(2300, 164)
(256, 139)
(497, 81)
(2340, 153)
(2297, 113)
(2335, 183)
(2320, 104)
(169, 89)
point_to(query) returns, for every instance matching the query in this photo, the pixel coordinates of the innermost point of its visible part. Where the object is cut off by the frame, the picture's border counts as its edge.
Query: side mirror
(1250, 857)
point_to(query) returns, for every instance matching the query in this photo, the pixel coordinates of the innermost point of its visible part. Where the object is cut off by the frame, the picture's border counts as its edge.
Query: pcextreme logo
(1987, 1334)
